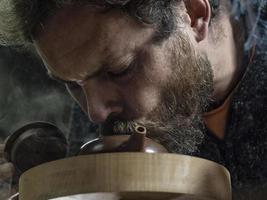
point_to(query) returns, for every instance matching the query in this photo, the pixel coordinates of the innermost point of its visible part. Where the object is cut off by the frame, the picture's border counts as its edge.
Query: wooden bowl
(127, 176)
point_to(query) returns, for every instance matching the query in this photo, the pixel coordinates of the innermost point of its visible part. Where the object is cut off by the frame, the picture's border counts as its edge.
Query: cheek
(159, 67)
(141, 101)
(148, 98)
(141, 97)
(143, 94)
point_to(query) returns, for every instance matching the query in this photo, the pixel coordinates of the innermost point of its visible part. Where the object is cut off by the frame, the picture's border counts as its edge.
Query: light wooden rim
(126, 172)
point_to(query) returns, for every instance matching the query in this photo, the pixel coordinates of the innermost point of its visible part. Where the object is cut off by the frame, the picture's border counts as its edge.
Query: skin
(82, 47)
(97, 59)
(89, 51)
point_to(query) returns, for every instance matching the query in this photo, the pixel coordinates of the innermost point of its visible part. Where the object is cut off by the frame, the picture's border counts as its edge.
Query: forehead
(76, 37)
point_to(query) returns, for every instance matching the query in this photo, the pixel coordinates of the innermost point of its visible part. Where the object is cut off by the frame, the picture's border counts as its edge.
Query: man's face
(120, 77)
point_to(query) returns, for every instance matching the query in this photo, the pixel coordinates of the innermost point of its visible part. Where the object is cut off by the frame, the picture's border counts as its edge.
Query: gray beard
(177, 123)
(175, 137)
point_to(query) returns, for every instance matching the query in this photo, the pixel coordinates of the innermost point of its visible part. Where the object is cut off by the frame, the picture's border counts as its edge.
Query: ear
(199, 12)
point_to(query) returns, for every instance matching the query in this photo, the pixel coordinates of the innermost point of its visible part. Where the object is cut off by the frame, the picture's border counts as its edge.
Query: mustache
(176, 122)
(182, 138)
(114, 126)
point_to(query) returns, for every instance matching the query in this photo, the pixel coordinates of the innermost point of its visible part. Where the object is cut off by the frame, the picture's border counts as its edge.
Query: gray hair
(18, 18)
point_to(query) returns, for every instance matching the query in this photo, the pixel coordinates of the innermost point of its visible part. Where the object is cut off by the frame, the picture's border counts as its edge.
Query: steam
(27, 95)
(38, 106)
(255, 13)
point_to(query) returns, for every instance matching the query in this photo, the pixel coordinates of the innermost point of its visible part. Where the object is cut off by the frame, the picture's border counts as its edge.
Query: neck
(224, 57)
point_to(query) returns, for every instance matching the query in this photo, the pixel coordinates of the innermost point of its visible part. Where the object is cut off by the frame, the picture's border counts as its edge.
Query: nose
(103, 99)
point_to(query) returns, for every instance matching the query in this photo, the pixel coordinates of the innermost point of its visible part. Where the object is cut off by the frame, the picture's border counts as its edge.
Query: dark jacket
(244, 149)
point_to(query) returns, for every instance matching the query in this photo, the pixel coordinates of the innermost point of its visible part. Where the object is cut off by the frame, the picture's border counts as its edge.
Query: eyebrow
(63, 81)
(134, 59)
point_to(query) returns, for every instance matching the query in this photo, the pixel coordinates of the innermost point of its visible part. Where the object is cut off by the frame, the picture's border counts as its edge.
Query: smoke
(254, 13)
(27, 95)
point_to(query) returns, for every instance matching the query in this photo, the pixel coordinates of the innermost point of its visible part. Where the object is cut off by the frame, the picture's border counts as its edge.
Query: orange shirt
(216, 119)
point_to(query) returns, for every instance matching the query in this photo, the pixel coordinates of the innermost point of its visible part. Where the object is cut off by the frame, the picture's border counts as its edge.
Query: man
(176, 67)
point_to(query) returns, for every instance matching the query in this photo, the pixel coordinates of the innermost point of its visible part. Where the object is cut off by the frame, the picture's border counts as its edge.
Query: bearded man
(178, 67)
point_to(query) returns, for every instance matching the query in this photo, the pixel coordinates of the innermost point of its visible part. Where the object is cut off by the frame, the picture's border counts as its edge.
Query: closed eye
(120, 73)
(123, 73)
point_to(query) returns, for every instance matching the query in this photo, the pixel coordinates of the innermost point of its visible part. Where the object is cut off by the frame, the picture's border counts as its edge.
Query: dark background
(27, 94)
